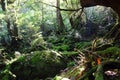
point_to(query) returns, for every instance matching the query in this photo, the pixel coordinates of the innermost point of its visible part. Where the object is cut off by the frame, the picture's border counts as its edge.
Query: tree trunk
(3, 5)
(13, 33)
(61, 26)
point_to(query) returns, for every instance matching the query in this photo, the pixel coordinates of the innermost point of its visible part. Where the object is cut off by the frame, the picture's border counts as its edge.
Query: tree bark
(61, 26)
(13, 33)
(3, 5)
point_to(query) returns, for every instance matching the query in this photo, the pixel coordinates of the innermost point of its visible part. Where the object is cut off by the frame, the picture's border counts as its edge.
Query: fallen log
(104, 66)
(100, 69)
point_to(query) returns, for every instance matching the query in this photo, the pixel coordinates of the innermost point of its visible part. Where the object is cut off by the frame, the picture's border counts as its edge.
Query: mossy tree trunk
(13, 32)
(100, 69)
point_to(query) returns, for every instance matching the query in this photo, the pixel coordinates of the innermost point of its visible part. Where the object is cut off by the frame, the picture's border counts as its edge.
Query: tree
(10, 22)
(3, 5)
(61, 26)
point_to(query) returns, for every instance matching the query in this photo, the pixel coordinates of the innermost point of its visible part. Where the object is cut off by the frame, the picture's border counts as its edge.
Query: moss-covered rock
(111, 52)
(38, 65)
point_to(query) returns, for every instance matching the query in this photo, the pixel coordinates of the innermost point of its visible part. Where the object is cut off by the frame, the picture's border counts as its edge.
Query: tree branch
(60, 8)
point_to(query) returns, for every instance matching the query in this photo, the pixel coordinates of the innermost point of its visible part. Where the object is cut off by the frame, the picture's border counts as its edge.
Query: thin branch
(60, 8)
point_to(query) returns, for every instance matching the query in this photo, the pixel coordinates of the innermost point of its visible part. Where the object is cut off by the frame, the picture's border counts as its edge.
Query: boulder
(38, 65)
(96, 21)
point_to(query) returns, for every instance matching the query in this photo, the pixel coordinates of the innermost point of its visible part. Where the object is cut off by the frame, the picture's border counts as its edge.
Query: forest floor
(63, 58)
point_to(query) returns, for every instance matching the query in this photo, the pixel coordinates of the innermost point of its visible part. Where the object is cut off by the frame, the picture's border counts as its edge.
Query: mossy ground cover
(38, 65)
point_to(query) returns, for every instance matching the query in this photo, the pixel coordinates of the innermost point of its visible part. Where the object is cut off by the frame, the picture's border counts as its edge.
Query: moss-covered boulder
(111, 52)
(38, 65)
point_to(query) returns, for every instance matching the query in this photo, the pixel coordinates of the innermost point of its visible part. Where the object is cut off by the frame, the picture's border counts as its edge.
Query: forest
(59, 40)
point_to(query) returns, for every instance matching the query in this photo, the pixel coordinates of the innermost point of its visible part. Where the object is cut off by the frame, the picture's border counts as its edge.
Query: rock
(47, 29)
(38, 65)
(96, 22)
(17, 54)
(75, 35)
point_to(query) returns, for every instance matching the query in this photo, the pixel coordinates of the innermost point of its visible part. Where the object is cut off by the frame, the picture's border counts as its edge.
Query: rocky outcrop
(95, 21)
(115, 5)
(108, 3)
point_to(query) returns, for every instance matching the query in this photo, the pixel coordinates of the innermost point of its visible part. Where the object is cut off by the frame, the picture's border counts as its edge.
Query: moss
(111, 52)
(39, 65)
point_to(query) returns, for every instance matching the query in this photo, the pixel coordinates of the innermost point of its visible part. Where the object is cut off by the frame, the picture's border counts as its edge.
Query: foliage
(38, 42)
(82, 45)
(70, 53)
(6, 74)
(62, 47)
(27, 17)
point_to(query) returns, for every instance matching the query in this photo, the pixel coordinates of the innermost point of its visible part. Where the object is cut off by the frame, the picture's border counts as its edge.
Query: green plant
(6, 74)
(62, 47)
(82, 45)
